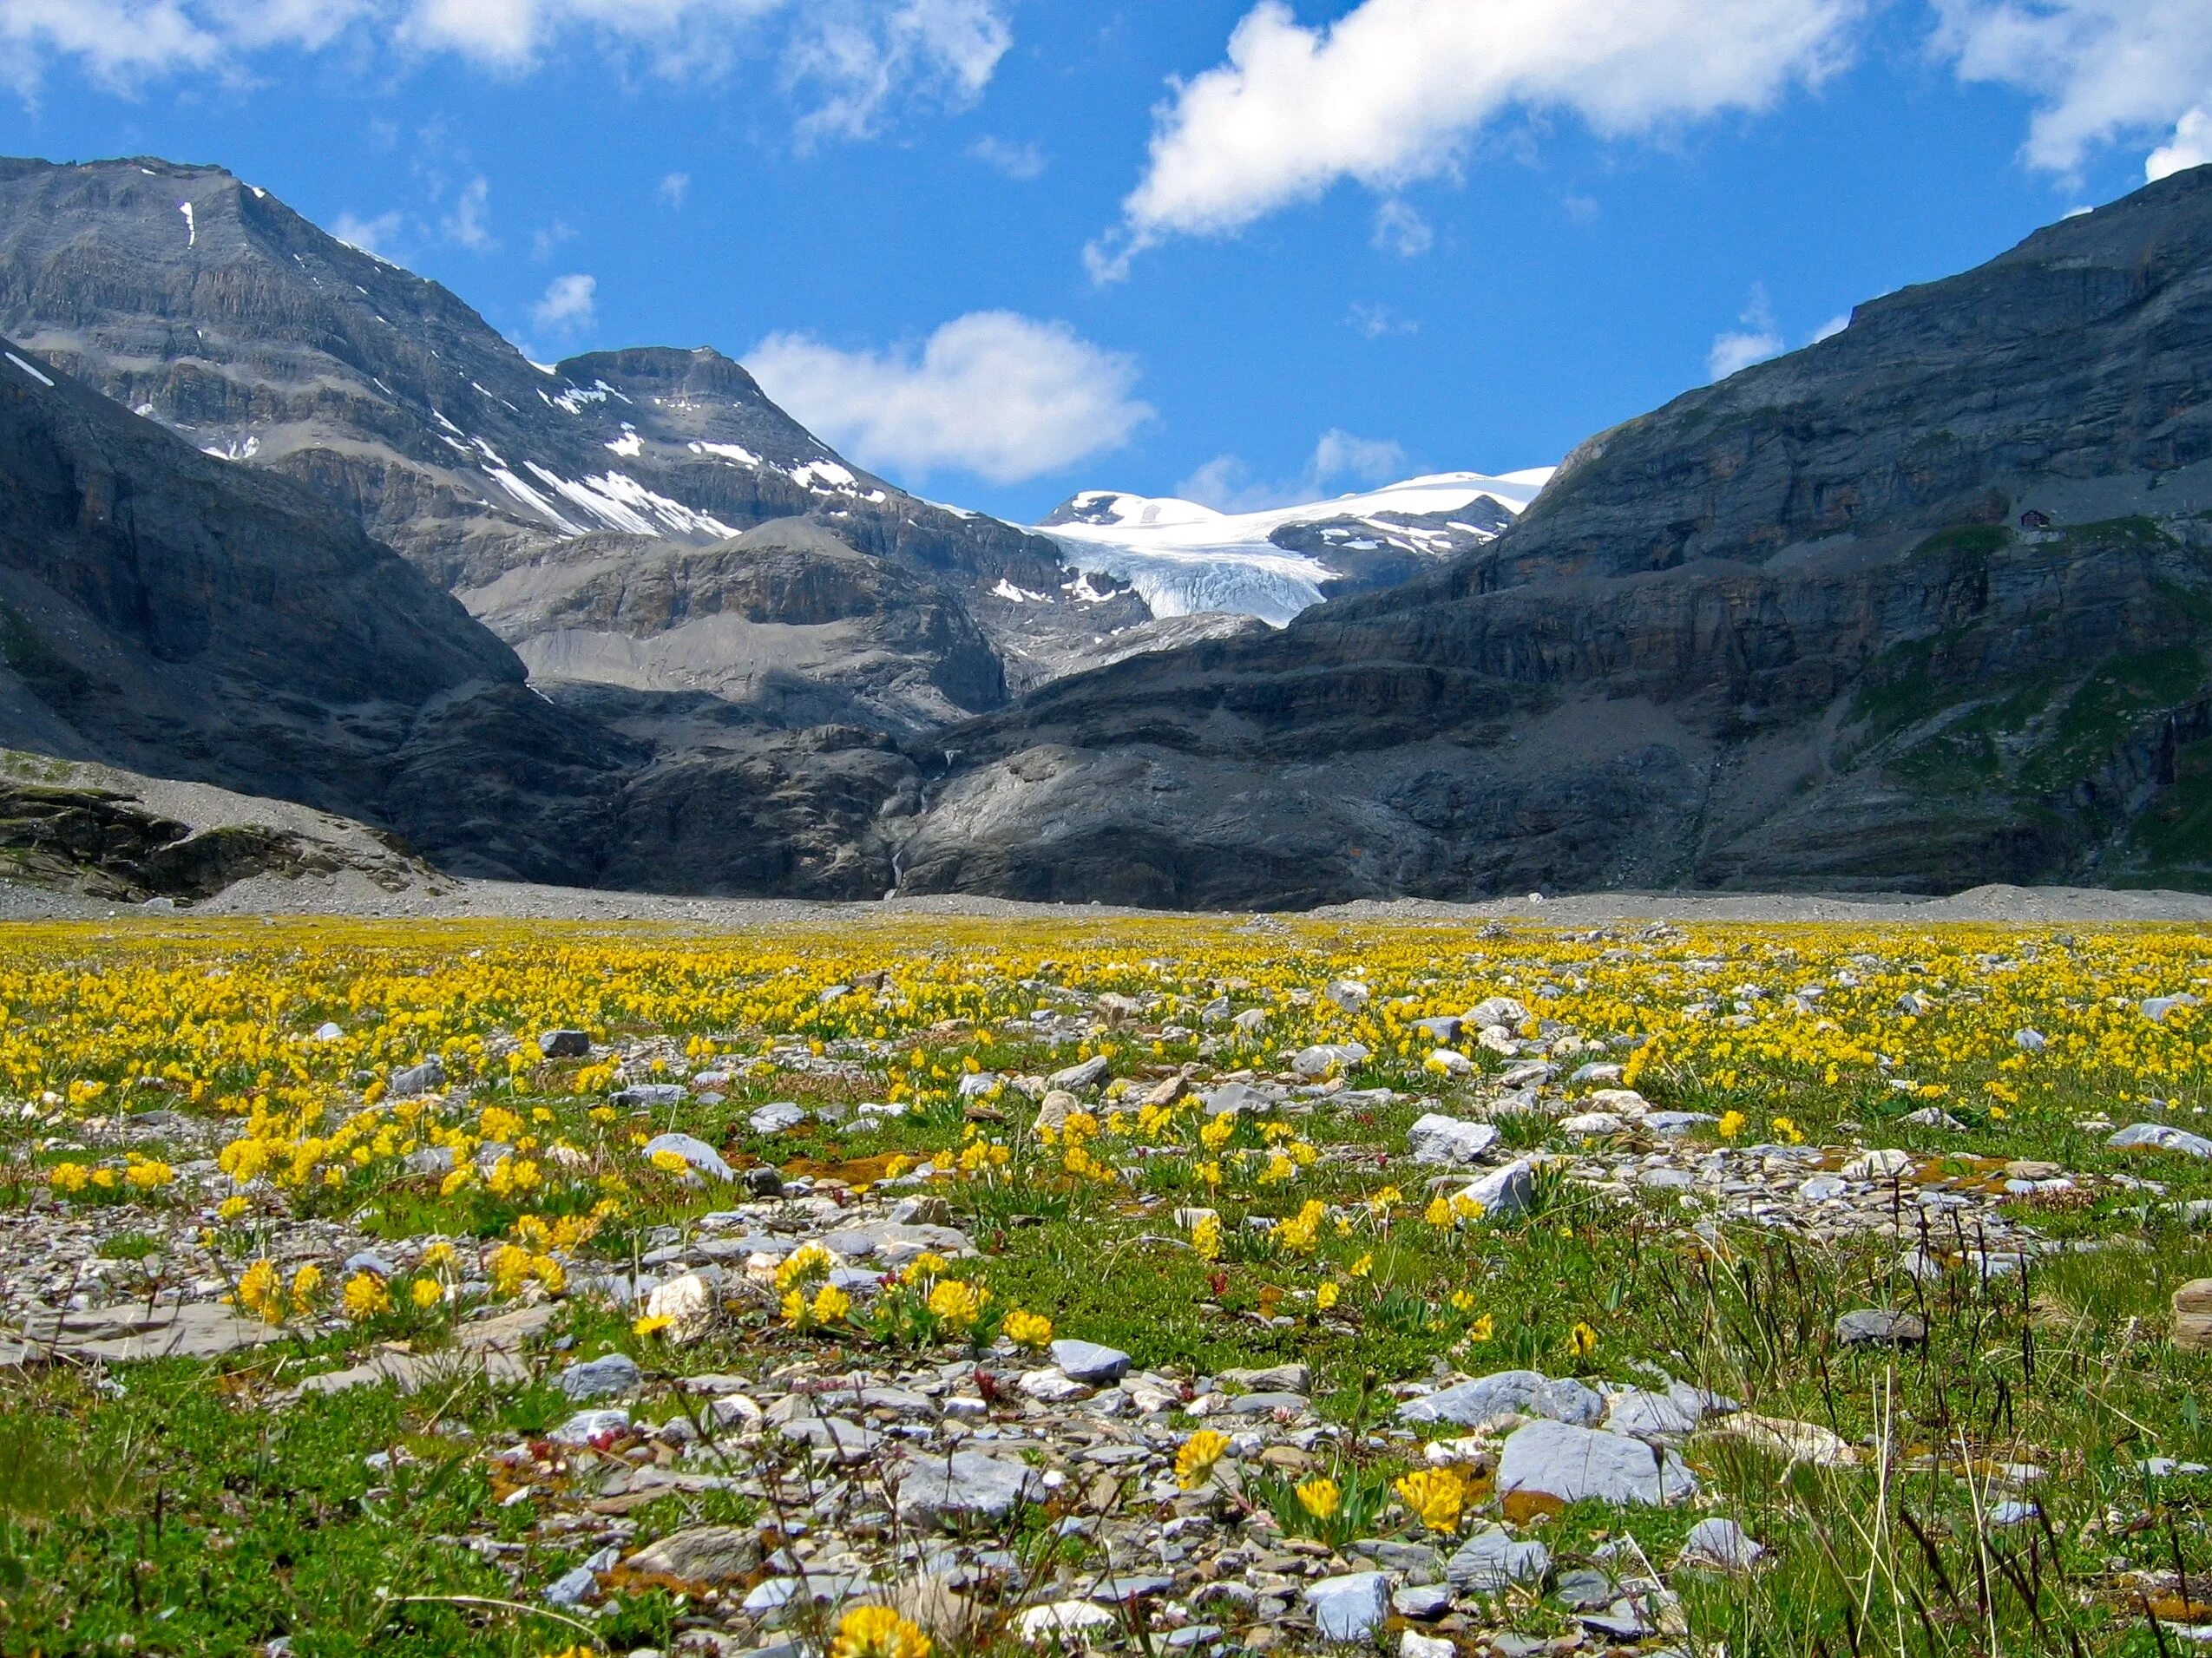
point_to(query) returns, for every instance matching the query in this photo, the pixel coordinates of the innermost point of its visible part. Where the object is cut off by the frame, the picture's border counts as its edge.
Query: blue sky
(999, 250)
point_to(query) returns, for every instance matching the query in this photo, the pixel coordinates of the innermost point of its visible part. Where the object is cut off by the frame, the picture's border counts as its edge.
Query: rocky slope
(1922, 605)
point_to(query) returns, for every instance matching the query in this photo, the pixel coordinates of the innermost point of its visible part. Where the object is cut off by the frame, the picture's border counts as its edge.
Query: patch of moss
(52, 678)
(1972, 541)
(2108, 704)
(2176, 833)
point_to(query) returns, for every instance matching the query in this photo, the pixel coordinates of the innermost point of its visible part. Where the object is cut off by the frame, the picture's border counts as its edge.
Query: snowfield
(1183, 558)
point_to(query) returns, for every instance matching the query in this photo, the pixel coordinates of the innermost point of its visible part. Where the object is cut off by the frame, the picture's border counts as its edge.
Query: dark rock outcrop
(1922, 605)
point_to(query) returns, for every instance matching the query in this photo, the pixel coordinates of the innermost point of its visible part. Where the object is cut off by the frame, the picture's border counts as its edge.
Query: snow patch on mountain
(1185, 557)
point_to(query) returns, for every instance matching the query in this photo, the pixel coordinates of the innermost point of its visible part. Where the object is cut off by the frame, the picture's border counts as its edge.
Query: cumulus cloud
(2191, 146)
(1395, 91)
(1022, 161)
(1378, 322)
(1005, 396)
(469, 224)
(676, 189)
(2100, 71)
(570, 305)
(858, 56)
(1758, 339)
(1339, 457)
(377, 236)
(1399, 229)
(853, 61)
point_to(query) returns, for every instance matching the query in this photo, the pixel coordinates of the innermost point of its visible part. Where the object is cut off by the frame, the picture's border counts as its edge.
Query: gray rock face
(1448, 1142)
(701, 1554)
(964, 1487)
(736, 627)
(1493, 1560)
(180, 616)
(1351, 1607)
(1572, 1462)
(1086, 1361)
(607, 1377)
(1524, 1392)
(703, 1159)
(1707, 654)
(2161, 1137)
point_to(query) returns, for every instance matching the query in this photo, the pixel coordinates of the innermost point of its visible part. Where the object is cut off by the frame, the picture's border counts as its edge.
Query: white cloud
(858, 55)
(676, 189)
(1759, 339)
(1023, 161)
(2191, 146)
(544, 242)
(1227, 485)
(1399, 229)
(1378, 322)
(2100, 71)
(570, 305)
(1395, 91)
(1005, 396)
(1831, 328)
(377, 236)
(857, 60)
(468, 224)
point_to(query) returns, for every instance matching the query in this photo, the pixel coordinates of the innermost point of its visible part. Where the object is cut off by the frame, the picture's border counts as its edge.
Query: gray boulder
(966, 1486)
(1448, 1142)
(423, 1078)
(1506, 1193)
(703, 1159)
(1351, 1608)
(701, 1554)
(1572, 1463)
(1516, 1393)
(603, 1378)
(2161, 1138)
(1493, 1560)
(1086, 1361)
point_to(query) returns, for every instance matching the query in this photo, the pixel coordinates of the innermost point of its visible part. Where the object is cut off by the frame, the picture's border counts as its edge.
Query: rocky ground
(754, 1473)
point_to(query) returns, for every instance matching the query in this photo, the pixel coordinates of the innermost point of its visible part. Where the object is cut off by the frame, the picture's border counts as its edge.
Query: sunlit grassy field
(195, 1506)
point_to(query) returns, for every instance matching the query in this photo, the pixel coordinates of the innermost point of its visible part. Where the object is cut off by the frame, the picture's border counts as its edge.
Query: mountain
(175, 614)
(1185, 558)
(207, 305)
(1923, 605)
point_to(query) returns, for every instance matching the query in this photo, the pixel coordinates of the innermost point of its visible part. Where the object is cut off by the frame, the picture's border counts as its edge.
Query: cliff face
(1922, 605)
(177, 614)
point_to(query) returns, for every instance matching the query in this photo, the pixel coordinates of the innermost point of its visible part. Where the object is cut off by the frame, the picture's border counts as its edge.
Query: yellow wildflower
(1320, 1497)
(1195, 1459)
(877, 1632)
(1436, 1496)
(261, 1292)
(1028, 1329)
(365, 1297)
